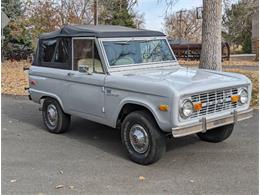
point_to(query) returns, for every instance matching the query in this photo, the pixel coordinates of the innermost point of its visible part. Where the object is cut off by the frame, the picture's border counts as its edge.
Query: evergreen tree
(12, 8)
(237, 22)
(17, 41)
(117, 12)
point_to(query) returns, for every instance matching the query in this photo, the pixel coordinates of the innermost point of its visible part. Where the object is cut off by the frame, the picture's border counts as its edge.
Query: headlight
(186, 108)
(243, 96)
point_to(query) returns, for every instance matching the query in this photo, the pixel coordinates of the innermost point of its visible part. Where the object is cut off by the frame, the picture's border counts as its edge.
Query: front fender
(163, 119)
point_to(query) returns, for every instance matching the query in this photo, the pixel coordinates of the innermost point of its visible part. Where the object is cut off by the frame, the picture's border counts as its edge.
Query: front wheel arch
(131, 107)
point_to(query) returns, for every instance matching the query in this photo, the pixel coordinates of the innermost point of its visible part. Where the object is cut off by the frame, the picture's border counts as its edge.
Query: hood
(186, 78)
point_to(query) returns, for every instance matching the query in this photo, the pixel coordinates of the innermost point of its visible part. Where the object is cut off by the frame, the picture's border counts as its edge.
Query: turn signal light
(235, 98)
(197, 106)
(164, 107)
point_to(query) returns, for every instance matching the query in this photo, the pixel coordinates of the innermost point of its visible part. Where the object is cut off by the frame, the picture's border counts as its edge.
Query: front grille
(214, 101)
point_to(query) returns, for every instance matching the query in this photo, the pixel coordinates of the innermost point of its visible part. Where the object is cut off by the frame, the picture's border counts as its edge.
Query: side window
(55, 53)
(62, 53)
(48, 48)
(85, 53)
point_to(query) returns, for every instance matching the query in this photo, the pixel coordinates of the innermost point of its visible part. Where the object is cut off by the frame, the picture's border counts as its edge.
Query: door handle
(70, 74)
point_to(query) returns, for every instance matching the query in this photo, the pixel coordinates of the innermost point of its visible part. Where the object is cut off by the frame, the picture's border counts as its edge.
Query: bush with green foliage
(237, 25)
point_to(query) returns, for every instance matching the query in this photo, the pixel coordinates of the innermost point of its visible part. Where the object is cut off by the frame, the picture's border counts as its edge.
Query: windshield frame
(139, 65)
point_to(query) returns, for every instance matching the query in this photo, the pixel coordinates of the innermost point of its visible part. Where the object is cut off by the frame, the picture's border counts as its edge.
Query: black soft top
(102, 31)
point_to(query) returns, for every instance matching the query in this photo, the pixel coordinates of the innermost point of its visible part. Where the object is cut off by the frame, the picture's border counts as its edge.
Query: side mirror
(83, 68)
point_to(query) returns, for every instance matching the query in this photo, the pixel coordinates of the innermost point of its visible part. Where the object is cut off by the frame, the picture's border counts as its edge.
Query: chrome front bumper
(205, 124)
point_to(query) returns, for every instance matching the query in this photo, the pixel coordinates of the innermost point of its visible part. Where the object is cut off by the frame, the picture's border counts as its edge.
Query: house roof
(102, 31)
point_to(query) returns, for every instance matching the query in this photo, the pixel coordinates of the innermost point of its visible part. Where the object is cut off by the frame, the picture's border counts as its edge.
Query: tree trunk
(211, 35)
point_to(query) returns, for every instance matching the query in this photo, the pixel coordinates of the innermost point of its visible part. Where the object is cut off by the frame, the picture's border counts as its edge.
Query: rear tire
(142, 138)
(218, 134)
(55, 120)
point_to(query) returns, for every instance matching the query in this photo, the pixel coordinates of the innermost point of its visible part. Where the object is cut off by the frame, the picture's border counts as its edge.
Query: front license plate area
(219, 122)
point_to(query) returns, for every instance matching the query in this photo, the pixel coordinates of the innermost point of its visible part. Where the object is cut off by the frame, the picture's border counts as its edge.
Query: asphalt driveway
(89, 159)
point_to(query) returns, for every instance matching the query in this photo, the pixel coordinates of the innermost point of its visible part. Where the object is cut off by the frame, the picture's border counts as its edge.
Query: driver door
(85, 90)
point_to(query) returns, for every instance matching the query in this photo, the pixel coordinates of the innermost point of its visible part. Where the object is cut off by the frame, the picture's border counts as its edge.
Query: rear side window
(48, 48)
(62, 53)
(55, 53)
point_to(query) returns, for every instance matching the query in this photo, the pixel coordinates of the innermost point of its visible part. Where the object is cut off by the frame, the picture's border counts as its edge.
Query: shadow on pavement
(87, 132)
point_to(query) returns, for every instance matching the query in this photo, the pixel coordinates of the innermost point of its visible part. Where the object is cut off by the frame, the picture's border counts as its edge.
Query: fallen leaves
(13, 180)
(71, 187)
(59, 186)
(63, 186)
(14, 79)
(141, 178)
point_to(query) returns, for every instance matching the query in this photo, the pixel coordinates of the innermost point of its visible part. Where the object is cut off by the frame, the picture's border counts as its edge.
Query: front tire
(54, 118)
(218, 134)
(142, 138)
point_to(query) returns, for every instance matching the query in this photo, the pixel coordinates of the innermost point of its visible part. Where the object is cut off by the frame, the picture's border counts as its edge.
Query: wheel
(54, 118)
(142, 138)
(218, 134)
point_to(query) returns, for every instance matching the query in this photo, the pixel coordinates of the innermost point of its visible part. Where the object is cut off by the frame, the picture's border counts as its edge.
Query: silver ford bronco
(129, 79)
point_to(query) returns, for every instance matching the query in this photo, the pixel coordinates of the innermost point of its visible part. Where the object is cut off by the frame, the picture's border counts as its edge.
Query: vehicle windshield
(136, 52)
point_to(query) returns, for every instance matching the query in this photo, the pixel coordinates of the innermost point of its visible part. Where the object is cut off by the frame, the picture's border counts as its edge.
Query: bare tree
(139, 20)
(187, 26)
(169, 5)
(75, 11)
(52, 14)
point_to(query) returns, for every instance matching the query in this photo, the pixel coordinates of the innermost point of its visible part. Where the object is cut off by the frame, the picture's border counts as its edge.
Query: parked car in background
(130, 79)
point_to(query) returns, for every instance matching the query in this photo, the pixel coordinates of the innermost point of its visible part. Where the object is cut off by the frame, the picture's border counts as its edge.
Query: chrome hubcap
(52, 115)
(139, 138)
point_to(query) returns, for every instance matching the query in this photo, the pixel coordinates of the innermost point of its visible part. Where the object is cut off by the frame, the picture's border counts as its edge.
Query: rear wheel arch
(51, 97)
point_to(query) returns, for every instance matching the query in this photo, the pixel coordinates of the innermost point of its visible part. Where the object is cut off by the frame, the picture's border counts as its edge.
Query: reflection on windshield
(137, 52)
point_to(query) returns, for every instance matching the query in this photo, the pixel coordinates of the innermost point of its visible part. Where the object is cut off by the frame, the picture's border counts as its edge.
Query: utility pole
(96, 12)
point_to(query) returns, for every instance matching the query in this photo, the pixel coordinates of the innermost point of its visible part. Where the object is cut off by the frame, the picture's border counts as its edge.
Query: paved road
(89, 159)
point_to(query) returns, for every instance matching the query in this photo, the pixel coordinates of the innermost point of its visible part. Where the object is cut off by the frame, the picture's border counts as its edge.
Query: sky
(154, 10)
